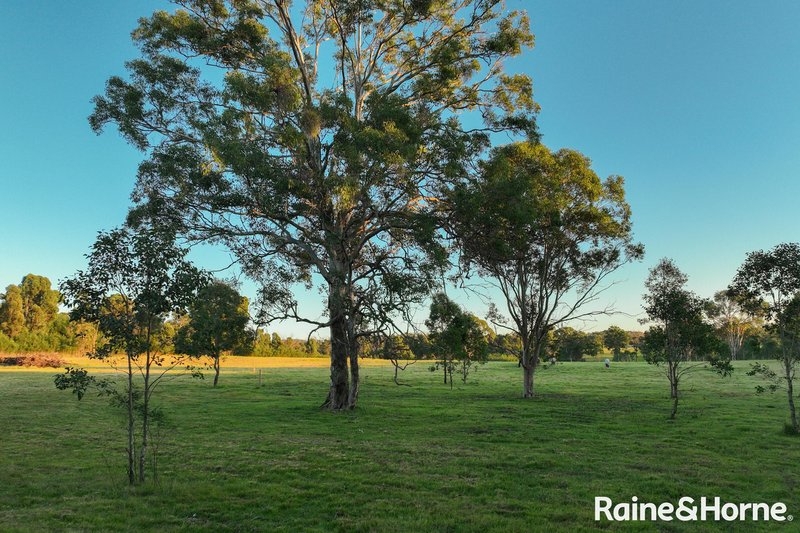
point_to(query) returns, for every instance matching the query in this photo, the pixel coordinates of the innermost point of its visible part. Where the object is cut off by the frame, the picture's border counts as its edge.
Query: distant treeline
(30, 321)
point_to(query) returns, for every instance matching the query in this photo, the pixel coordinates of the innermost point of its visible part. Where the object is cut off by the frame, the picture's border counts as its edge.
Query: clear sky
(694, 102)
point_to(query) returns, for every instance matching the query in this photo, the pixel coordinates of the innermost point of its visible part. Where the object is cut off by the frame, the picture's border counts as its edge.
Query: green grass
(421, 458)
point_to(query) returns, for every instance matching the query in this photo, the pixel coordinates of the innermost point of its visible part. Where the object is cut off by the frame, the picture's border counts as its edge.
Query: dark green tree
(548, 232)
(31, 306)
(39, 302)
(768, 284)
(570, 344)
(134, 280)
(218, 320)
(681, 340)
(616, 339)
(312, 347)
(311, 140)
(12, 314)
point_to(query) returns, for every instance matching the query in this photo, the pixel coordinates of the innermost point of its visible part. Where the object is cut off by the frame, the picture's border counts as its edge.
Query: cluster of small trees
(272, 345)
(30, 321)
(690, 332)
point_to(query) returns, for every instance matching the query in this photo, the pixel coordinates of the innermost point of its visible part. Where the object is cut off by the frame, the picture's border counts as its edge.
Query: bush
(41, 360)
(503, 357)
(7, 344)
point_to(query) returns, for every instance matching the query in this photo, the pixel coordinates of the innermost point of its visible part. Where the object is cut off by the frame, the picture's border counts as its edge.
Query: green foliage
(79, 381)
(734, 324)
(218, 320)
(569, 344)
(30, 321)
(768, 284)
(12, 314)
(458, 338)
(30, 307)
(39, 302)
(263, 346)
(7, 344)
(133, 281)
(681, 338)
(681, 331)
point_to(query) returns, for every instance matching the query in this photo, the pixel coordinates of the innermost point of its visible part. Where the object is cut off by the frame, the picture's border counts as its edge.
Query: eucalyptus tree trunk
(338, 396)
(344, 389)
(528, 371)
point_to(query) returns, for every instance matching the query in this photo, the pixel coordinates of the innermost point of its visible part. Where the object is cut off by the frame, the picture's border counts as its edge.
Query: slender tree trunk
(131, 449)
(145, 414)
(790, 393)
(673, 380)
(673, 389)
(216, 370)
(444, 367)
(355, 382)
(395, 373)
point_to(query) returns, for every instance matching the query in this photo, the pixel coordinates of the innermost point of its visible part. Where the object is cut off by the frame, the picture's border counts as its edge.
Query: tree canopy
(218, 320)
(768, 284)
(30, 306)
(548, 231)
(457, 337)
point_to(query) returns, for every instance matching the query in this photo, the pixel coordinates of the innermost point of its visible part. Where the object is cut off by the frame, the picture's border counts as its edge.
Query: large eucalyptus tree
(311, 139)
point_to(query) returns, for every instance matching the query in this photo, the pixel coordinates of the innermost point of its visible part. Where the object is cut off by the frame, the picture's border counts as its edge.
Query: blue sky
(694, 102)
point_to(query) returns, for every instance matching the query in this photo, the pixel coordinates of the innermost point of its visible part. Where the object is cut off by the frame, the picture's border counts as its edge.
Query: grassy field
(420, 458)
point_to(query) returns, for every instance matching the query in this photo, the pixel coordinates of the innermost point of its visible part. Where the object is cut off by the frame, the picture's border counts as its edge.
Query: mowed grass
(419, 458)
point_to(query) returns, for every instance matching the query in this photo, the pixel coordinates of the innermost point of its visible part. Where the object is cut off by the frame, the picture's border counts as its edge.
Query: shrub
(41, 360)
